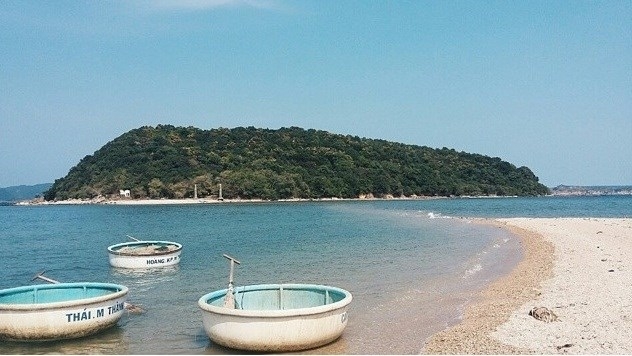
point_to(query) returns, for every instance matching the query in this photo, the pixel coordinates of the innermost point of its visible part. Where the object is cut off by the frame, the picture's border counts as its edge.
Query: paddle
(41, 276)
(133, 238)
(229, 299)
(132, 308)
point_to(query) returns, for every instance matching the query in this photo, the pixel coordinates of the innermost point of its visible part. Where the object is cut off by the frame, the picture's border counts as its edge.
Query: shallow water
(410, 271)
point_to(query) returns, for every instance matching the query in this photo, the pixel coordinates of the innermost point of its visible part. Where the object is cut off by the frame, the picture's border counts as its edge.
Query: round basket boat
(46, 312)
(276, 317)
(144, 254)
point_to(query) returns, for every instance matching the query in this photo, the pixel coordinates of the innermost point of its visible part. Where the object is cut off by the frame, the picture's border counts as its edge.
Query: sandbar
(213, 200)
(579, 268)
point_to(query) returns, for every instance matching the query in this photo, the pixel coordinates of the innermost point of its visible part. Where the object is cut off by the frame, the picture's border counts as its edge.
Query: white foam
(432, 215)
(475, 269)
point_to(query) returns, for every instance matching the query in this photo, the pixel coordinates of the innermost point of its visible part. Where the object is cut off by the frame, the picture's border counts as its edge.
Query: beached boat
(144, 254)
(275, 317)
(46, 312)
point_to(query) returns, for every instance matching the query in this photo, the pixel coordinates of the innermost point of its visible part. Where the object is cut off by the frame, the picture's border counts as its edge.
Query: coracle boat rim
(117, 292)
(282, 313)
(114, 248)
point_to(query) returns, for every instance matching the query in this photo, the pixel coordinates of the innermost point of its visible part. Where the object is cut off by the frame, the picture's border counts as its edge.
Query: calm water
(410, 265)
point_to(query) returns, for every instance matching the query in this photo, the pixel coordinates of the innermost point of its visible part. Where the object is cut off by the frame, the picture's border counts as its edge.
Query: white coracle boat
(275, 317)
(46, 312)
(144, 254)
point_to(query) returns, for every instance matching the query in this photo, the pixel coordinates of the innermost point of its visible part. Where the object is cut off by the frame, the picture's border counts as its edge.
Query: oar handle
(232, 259)
(41, 276)
(232, 267)
(229, 299)
(133, 238)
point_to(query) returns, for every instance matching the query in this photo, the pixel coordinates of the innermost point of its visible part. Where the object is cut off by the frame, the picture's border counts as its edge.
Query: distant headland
(10, 195)
(572, 190)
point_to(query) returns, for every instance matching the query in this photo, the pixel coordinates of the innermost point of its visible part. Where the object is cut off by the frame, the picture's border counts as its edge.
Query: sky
(542, 84)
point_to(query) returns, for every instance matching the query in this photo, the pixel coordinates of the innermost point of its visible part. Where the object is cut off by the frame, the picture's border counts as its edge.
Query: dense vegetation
(167, 162)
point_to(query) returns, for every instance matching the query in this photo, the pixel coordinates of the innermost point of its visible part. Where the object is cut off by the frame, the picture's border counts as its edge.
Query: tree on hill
(168, 162)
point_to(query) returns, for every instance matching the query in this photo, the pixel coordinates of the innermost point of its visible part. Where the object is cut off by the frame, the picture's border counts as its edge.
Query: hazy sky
(545, 84)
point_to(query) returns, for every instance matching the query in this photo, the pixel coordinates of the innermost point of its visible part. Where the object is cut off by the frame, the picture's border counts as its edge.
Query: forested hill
(22, 192)
(168, 162)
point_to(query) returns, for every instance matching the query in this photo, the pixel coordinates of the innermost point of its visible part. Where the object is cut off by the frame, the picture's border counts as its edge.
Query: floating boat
(144, 254)
(275, 317)
(47, 312)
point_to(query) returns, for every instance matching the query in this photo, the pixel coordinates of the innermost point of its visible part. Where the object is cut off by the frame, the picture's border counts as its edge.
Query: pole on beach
(229, 299)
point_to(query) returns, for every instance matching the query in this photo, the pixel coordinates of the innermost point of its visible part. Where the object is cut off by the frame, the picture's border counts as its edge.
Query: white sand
(139, 201)
(186, 201)
(581, 269)
(590, 292)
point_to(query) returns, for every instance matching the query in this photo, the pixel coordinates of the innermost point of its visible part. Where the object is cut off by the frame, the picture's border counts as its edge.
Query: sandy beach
(579, 268)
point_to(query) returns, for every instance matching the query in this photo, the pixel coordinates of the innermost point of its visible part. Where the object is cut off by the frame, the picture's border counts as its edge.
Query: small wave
(499, 244)
(432, 215)
(475, 269)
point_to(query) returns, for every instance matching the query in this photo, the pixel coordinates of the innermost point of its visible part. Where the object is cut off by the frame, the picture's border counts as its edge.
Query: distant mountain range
(23, 192)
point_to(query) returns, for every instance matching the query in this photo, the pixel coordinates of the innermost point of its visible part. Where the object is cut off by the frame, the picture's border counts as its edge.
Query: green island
(168, 162)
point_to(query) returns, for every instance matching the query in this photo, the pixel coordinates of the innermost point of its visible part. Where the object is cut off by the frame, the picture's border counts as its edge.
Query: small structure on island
(125, 193)
(220, 198)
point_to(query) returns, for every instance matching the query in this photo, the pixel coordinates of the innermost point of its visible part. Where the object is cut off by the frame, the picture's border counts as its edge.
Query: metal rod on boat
(229, 299)
(41, 276)
(133, 238)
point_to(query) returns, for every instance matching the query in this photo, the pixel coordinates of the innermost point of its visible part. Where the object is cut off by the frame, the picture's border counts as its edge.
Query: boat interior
(51, 293)
(280, 297)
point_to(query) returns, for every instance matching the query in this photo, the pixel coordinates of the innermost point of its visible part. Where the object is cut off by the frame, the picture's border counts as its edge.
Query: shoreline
(187, 201)
(576, 267)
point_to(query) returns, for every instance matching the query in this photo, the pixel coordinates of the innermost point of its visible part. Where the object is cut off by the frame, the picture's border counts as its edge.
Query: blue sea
(411, 265)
